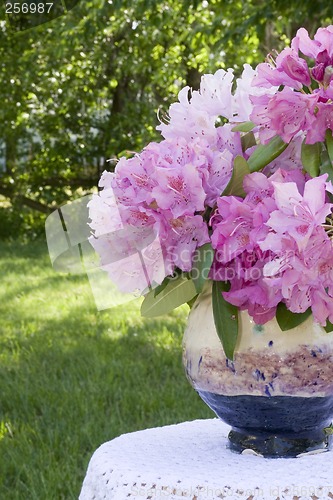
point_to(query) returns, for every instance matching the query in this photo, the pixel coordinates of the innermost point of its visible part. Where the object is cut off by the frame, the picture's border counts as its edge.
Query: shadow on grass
(73, 385)
(25, 286)
(36, 250)
(72, 378)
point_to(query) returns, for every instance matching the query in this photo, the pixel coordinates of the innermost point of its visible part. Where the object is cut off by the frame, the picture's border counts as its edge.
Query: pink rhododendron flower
(324, 121)
(133, 258)
(179, 190)
(290, 70)
(298, 107)
(186, 121)
(197, 112)
(242, 106)
(294, 66)
(320, 49)
(249, 289)
(227, 140)
(186, 234)
(232, 236)
(100, 208)
(272, 246)
(162, 192)
(214, 95)
(216, 175)
(285, 114)
(133, 180)
(174, 173)
(296, 214)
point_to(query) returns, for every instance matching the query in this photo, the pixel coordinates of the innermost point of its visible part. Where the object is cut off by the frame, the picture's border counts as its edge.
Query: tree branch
(35, 205)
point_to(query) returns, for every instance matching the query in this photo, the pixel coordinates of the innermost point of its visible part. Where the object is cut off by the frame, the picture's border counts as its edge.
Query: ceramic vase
(276, 394)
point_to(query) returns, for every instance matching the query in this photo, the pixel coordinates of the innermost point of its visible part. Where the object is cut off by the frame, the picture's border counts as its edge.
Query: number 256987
(28, 8)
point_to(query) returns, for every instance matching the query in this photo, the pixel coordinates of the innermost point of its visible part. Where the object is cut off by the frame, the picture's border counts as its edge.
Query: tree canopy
(86, 87)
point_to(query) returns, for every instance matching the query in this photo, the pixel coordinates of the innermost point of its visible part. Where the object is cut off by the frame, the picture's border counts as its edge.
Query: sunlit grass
(72, 377)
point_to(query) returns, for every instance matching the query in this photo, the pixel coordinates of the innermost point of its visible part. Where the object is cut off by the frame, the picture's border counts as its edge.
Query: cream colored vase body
(277, 393)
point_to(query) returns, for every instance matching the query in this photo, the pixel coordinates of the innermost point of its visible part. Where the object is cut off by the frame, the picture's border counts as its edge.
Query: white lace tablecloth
(191, 461)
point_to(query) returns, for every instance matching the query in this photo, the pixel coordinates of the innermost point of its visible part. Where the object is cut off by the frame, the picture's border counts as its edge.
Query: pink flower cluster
(275, 245)
(197, 113)
(157, 202)
(305, 103)
(160, 194)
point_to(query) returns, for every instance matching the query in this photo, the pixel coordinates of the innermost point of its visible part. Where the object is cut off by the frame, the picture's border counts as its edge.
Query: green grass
(72, 378)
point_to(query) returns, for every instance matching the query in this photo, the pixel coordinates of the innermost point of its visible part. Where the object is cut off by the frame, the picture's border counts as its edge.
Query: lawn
(72, 377)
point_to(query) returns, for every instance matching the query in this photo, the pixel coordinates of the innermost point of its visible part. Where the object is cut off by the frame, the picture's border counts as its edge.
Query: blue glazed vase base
(278, 426)
(275, 446)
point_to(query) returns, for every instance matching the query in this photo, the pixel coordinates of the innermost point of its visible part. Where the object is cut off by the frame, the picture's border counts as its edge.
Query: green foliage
(18, 220)
(328, 430)
(248, 140)
(287, 319)
(265, 153)
(244, 127)
(73, 378)
(202, 262)
(225, 318)
(328, 327)
(326, 165)
(311, 158)
(87, 86)
(176, 292)
(240, 170)
(329, 144)
(10, 223)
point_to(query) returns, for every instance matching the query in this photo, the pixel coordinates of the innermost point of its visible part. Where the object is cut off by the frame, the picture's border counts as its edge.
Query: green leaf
(244, 127)
(178, 291)
(235, 185)
(328, 327)
(191, 302)
(202, 262)
(265, 153)
(225, 319)
(159, 288)
(328, 430)
(311, 158)
(287, 319)
(329, 144)
(248, 140)
(326, 165)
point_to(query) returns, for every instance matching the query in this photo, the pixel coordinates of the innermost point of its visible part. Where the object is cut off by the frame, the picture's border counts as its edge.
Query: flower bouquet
(235, 199)
(237, 192)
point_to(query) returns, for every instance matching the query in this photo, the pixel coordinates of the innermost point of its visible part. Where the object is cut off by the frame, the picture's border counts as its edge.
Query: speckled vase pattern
(277, 393)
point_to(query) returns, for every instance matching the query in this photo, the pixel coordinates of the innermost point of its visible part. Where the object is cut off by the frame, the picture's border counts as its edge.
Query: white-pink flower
(298, 215)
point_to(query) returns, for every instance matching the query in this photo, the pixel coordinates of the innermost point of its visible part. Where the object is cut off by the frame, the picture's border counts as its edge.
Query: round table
(191, 460)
